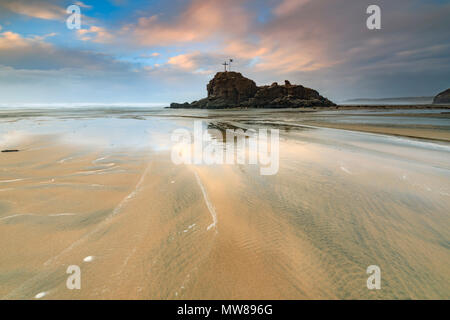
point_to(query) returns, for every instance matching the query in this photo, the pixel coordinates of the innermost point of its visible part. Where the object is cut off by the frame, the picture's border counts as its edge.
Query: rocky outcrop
(443, 97)
(232, 89)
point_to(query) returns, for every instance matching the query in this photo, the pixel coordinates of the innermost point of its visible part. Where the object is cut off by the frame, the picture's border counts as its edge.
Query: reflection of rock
(443, 97)
(231, 89)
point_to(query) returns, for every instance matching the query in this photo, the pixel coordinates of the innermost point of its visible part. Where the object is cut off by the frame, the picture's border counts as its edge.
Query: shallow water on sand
(98, 189)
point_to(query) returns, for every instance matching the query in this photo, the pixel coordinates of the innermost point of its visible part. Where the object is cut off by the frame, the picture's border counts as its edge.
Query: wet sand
(428, 133)
(141, 227)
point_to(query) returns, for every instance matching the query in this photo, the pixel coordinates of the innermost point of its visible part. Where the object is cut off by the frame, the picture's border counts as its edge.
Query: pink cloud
(95, 34)
(41, 9)
(200, 21)
(13, 41)
(183, 61)
(282, 45)
(287, 7)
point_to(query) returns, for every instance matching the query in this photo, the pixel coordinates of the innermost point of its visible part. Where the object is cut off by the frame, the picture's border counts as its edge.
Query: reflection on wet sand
(141, 227)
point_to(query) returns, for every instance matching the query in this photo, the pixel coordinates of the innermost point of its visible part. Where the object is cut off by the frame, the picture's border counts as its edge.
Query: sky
(162, 51)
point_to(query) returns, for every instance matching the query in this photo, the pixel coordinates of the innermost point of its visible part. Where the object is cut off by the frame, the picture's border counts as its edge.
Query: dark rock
(10, 150)
(232, 89)
(443, 97)
(180, 105)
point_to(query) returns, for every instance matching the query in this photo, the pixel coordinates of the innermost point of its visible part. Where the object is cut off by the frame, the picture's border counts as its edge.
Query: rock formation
(231, 89)
(443, 97)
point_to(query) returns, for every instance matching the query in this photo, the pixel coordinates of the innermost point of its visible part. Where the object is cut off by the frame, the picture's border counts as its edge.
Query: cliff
(443, 97)
(232, 89)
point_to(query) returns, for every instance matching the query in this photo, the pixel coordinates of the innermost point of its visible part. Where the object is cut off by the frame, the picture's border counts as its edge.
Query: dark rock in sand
(232, 89)
(443, 97)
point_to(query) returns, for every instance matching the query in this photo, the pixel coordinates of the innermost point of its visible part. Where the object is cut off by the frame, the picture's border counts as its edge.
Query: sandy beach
(98, 189)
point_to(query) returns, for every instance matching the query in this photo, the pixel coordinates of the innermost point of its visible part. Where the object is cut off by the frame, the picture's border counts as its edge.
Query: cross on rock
(225, 64)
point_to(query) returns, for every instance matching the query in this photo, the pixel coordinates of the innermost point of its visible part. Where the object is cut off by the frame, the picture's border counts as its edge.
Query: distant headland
(232, 90)
(443, 97)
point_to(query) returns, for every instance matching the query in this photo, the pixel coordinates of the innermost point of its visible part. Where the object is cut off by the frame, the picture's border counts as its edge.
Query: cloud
(50, 10)
(285, 44)
(184, 61)
(10, 41)
(35, 9)
(35, 53)
(95, 34)
(200, 21)
(197, 62)
(287, 7)
(151, 55)
(82, 5)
